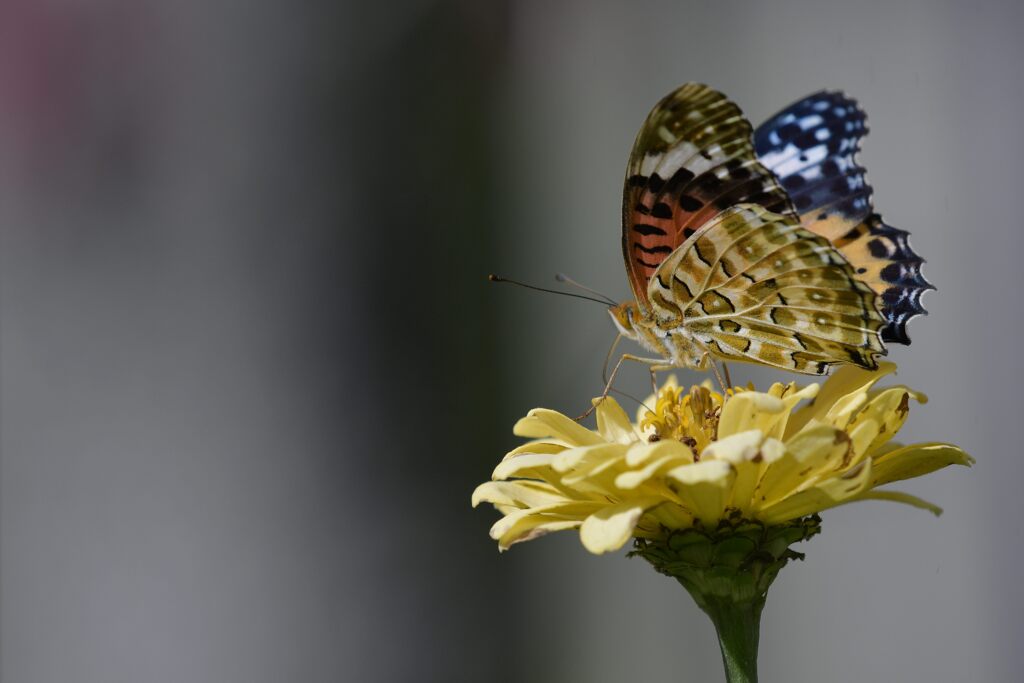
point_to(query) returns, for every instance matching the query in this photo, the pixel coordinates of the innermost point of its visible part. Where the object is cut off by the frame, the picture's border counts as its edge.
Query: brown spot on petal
(904, 407)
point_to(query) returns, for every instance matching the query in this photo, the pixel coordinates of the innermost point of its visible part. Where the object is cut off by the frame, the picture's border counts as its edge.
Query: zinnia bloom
(694, 463)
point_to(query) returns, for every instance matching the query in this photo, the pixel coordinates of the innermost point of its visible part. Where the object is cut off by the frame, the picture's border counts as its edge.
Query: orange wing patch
(692, 159)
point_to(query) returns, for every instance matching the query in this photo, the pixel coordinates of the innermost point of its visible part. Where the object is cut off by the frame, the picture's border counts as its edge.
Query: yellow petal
(526, 465)
(810, 454)
(609, 528)
(916, 460)
(541, 422)
(862, 435)
(846, 381)
(703, 488)
(520, 494)
(899, 497)
(633, 478)
(749, 469)
(743, 452)
(597, 462)
(511, 528)
(669, 515)
(790, 398)
(825, 494)
(749, 410)
(529, 528)
(612, 422)
(737, 447)
(585, 458)
(537, 446)
(640, 453)
(888, 409)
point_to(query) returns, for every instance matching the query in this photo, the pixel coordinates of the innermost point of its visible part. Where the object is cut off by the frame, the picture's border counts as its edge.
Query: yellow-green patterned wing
(755, 286)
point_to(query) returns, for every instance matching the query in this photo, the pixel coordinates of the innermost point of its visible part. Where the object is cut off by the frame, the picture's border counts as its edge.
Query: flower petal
(609, 528)
(790, 397)
(809, 455)
(633, 478)
(749, 410)
(888, 410)
(916, 460)
(823, 495)
(900, 497)
(541, 422)
(520, 494)
(537, 446)
(584, 458)
(597, 460)
(843, 387)
(737, 447)
(525, 465)
(514, 526)
(743, 452)
(640, 453)
(612, 422)
(703, 488)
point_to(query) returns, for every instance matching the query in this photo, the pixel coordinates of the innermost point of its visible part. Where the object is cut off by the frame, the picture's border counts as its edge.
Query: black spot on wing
(660, 249)
(680, 178)
(647, 230)
(661, 210)
(690, 204)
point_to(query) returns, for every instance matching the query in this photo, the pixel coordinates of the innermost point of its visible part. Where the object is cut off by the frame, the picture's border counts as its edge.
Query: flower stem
(738, 625)
(728, 571)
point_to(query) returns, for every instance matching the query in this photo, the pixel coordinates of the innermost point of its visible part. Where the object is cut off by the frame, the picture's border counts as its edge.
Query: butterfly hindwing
(692, 159)
(812, 147)
(755, 286)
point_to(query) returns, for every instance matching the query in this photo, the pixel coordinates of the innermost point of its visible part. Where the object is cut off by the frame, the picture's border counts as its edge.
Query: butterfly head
(624, 315)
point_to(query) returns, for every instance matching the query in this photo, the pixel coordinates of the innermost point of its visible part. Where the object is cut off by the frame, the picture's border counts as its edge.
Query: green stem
(738, 625)
(728, 571)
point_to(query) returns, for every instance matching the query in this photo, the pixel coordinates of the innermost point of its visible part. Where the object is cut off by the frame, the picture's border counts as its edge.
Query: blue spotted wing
(812, 146)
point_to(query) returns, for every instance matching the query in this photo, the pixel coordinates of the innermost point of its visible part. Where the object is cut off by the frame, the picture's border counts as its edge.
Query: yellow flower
(693, 463)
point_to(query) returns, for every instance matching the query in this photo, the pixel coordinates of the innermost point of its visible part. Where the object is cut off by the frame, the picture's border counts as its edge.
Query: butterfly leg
(653, 362)
(706, 358)
(725, 371)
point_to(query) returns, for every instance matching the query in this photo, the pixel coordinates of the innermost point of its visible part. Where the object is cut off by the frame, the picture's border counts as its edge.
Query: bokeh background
(251, 370)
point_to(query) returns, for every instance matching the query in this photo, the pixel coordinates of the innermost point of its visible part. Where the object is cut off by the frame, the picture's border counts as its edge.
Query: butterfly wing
(755, 286)
(692, 159)
(812, 146)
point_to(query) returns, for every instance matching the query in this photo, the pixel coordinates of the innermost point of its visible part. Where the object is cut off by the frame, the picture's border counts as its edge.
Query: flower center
(691, 418)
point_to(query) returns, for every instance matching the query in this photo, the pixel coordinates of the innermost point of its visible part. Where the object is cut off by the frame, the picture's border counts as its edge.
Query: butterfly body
(774, 259)
(665, 337)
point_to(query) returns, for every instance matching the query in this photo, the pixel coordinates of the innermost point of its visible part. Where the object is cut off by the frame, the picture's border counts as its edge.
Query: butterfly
(760, 245)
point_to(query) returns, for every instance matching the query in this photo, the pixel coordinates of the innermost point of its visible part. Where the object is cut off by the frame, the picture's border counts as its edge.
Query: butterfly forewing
(692, 159)
(755, 286)
(812, 146)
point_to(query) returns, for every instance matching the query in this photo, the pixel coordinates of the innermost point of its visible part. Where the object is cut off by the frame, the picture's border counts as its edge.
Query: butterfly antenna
(562, 277)
(498, 278)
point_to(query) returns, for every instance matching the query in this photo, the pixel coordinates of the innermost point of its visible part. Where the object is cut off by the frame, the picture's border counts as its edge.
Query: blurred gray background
(250, 368)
